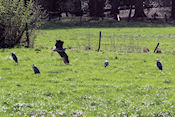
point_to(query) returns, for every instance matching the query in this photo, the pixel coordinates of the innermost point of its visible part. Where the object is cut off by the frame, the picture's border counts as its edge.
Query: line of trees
(96, 8)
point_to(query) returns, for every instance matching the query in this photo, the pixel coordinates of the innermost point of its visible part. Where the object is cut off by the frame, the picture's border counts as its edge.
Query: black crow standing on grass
(61, 51)
(35, 69)
(15, 58)
(106, 63)
(159, 65)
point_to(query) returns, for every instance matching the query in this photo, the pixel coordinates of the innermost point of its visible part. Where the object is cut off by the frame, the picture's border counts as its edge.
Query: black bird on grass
(106, 63)
(159, 65)
(15, 58)
(61, 51)
(35, 69)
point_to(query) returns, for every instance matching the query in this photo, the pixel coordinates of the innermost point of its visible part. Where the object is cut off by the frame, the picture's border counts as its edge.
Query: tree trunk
(27, 36)
(51, 8)
(92, 8)
(115, 8)
(96, 8)
(100, 8)
(77, 8)
(130, 11)
(51, 5)
(139, 10)
(173, 10)
(2, 38)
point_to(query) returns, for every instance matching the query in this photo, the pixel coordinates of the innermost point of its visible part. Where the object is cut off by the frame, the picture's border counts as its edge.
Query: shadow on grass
(56, 24)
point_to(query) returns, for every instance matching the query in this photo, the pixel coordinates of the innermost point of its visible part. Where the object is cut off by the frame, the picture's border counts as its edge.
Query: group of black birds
(61, 51)
(158, 63)
(58, 48)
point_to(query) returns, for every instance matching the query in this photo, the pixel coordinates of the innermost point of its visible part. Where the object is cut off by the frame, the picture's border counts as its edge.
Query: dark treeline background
(130, 9)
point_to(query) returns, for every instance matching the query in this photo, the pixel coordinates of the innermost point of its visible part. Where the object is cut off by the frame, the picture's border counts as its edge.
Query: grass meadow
(131, 86)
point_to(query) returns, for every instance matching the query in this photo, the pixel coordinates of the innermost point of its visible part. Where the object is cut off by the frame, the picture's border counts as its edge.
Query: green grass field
(130, 86)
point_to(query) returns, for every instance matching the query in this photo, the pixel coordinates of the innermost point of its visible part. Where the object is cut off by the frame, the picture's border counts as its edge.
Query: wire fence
(121, 43)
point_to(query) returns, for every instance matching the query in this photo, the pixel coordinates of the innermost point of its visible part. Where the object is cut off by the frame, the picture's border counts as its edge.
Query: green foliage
(14, 15)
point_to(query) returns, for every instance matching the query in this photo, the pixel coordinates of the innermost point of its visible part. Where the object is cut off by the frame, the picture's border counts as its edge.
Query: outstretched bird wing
(64, 57)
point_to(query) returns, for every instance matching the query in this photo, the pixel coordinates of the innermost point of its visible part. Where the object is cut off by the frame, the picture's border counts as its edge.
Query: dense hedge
(14, 15)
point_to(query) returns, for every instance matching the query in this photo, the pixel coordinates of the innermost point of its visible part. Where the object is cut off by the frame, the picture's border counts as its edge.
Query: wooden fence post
(156, 47)
(99, 42)
(27, 36)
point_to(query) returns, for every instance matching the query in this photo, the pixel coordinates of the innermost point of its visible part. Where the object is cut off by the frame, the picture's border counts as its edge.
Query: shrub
(14, 15)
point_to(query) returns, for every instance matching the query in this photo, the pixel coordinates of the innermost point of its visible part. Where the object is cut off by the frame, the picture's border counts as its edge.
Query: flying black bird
(159, 65)
(14, 57)
(35, 69)
(61, 51)
(106, 63)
